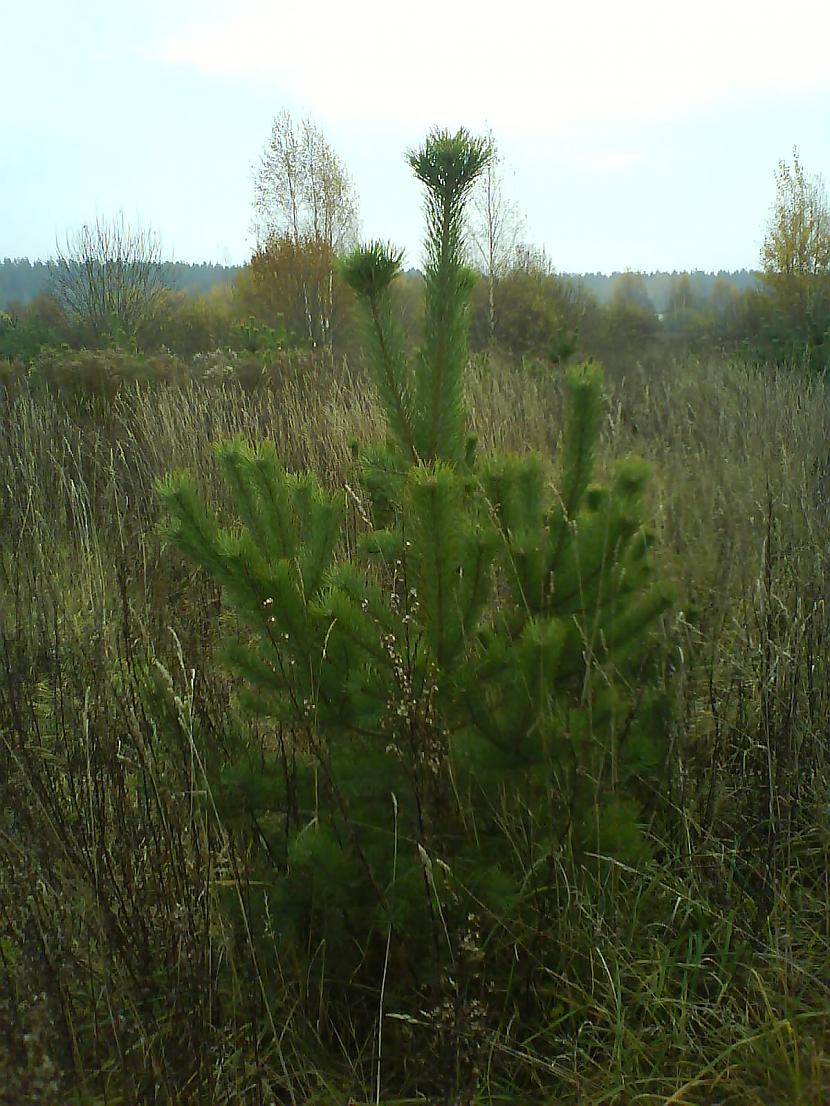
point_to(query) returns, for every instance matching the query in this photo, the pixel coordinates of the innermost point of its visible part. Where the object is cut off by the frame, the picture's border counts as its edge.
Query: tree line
(109, 285)
(22, 280)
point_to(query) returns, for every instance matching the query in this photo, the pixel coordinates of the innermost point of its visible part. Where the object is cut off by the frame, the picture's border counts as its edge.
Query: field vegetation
(211, 892)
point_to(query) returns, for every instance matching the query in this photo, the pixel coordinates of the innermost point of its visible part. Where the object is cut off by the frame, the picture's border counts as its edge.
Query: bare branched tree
(108, 276)
(493, 230)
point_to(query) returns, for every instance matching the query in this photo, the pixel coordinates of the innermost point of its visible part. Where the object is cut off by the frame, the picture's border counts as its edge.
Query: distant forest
(21, 281)
(658, 285)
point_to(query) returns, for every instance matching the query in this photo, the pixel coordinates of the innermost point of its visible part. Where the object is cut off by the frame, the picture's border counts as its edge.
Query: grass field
(702, 978)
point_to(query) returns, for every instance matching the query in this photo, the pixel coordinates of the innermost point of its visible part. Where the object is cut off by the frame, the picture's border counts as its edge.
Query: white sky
(639, 135)
(532, 69)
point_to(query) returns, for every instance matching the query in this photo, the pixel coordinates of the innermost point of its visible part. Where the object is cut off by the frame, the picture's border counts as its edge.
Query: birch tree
(305, 198)
(494, 229)
(795, 256)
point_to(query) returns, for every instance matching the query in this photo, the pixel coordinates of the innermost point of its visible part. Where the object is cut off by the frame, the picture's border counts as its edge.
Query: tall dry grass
(705, 980)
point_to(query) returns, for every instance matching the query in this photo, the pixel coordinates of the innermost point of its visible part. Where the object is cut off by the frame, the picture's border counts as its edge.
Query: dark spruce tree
(473, 696)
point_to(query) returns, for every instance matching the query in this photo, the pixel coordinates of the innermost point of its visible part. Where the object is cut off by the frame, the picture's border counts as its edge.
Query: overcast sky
(641, 135)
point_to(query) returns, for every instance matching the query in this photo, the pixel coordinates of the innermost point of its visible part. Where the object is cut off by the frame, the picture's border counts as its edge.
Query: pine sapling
(485, 668)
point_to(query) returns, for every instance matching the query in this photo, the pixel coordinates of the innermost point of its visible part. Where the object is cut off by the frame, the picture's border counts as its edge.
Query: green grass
(124, 978)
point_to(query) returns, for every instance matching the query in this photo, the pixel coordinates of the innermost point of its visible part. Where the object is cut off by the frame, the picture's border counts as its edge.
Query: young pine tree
(474, 695)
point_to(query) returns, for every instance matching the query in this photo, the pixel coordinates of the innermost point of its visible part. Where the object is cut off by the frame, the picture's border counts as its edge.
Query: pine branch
(584, 384)
(448, 166)
(369, 271)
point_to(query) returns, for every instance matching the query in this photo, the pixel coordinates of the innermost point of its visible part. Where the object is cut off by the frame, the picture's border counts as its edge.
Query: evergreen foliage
(477, 690)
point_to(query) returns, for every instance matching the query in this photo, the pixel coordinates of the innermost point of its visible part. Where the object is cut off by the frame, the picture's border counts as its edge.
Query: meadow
(700, 976)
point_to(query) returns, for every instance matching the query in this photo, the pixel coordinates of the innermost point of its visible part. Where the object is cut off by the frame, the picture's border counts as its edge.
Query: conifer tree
(476, 692)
